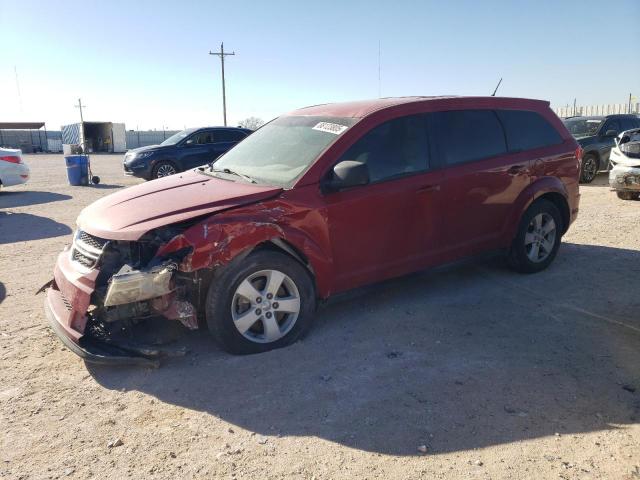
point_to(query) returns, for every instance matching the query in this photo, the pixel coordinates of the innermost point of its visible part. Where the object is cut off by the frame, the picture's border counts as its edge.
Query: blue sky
(147, 64)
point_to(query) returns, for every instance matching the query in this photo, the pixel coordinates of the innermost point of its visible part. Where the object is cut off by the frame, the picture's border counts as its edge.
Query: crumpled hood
(130, 213)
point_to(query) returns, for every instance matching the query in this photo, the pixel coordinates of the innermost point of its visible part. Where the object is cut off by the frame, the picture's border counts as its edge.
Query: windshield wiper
(231, 172)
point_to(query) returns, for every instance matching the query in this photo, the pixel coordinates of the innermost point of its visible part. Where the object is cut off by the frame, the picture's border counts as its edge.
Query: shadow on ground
(3, 292)
(23, 198)
(458, 358)
(21, 227)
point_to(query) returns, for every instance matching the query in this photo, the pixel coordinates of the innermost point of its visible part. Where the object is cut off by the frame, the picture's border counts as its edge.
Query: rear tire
(262, 302)
(163, 168)
(622, 195)
(589, 168)
(538, 239)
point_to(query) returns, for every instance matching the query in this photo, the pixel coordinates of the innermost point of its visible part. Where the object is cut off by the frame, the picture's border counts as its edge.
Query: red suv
(318, 201)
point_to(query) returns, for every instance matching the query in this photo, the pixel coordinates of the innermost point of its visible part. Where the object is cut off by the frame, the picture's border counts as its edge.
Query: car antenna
(497, 86)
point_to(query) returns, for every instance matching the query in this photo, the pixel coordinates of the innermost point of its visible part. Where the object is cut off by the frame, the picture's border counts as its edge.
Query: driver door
(197, 150)
(390, 226)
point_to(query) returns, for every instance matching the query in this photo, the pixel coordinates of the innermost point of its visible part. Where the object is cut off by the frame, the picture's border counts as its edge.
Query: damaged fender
(221, 238)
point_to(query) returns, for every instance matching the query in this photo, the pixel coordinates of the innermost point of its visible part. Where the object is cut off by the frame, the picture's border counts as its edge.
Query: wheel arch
(216, 244)
(548, 188)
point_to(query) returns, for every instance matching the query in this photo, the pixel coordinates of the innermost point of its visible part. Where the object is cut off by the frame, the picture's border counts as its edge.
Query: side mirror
(189, 142)
(348, 173)
(611, 133)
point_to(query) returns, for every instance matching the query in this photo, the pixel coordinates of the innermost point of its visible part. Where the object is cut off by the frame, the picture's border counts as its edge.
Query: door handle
(428, 188)
(515, 169)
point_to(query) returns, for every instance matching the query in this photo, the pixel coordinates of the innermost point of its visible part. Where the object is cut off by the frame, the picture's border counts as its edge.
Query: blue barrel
(77, 169)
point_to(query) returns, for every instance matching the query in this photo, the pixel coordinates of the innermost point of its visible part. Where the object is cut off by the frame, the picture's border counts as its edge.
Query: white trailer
(95, 137)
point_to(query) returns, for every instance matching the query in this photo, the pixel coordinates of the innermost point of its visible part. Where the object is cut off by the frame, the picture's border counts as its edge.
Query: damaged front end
(104, 289)
(624, 175)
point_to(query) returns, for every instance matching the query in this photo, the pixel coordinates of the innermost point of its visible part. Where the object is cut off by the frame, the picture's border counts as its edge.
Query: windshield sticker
(334, 128)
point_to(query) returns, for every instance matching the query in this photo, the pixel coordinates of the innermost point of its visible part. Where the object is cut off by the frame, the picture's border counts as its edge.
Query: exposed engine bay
(133, 286)
(624, 175)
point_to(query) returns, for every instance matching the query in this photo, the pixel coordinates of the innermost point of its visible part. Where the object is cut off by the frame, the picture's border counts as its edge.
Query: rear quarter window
(527, 130)
(467, 135)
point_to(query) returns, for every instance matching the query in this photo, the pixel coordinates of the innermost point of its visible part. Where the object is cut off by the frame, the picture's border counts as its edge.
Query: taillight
(11, 159)
(579, 152)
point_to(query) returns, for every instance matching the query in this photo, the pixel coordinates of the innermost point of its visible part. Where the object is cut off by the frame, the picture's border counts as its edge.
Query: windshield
(281, 151)
(173, 139)
(583, 127)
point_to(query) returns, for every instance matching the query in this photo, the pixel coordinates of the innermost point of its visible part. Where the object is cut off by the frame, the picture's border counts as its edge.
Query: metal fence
(608, 109)
(29, 140)
(142, 138)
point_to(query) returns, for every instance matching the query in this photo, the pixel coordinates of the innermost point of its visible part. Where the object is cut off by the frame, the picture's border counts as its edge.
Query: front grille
(88, 239)
(87, 249)
(82, 259)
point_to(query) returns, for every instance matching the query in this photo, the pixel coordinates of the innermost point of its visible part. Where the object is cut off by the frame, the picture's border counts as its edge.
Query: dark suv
(184, 150)
(596, 136)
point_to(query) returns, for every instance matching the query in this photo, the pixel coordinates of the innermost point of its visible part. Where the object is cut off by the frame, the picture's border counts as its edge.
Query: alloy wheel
(540, 237)
(165, 170)
(265, 306)
(589, 168)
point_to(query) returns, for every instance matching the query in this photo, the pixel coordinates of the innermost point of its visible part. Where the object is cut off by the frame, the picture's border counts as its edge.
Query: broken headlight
(128, 285)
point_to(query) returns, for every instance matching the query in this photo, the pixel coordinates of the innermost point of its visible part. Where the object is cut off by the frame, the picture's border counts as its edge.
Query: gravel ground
(498, 375)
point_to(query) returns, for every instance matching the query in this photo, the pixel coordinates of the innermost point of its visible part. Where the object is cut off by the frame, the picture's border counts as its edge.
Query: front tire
(538, 239)
(262, 302)
(589, 168)
(163, 169)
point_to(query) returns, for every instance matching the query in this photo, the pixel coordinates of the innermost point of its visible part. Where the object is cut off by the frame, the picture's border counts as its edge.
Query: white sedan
(13, 170)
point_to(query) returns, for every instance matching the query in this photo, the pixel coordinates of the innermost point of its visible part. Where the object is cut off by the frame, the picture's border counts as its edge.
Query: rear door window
(393, 149)
(527, 130)
(627, 123)
(612, 124)
(229, 135)
(468, 135)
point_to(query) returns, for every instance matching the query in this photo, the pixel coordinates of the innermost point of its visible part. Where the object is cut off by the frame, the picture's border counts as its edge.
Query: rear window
(468, 135)
(527, 130)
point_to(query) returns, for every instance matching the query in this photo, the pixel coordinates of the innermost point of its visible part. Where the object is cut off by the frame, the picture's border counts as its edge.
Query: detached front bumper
(66, 303)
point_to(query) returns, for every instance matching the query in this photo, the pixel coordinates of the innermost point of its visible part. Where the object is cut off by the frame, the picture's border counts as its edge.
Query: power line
(221, 54)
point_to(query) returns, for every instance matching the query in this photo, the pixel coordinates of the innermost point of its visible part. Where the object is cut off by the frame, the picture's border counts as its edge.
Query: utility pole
(80, 106)
(221, 54)
(81, 136)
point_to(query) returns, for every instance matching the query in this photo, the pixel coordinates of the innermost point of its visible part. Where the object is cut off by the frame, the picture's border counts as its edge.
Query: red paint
(130, 213)
(357, 236)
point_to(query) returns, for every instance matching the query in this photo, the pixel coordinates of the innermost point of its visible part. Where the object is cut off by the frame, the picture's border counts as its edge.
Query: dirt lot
(500, 375)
